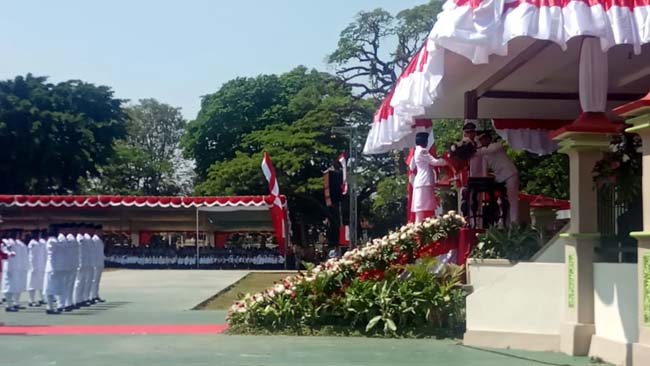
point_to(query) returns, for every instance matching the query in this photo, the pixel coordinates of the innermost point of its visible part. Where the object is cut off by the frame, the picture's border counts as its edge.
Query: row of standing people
(213, 259)
(60, 268)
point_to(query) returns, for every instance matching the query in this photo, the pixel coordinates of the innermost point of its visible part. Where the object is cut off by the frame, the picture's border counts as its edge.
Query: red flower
(615, 164)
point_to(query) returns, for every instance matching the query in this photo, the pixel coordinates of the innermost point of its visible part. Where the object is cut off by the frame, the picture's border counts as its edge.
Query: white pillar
(584, 150)
(640, 110)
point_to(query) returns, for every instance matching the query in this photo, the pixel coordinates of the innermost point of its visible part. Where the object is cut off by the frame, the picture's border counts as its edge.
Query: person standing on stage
(36, 274)
(424, 198)
(504, 170)
(477, 167)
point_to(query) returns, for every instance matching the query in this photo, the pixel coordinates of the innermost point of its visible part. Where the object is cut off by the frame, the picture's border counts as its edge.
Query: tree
(148, 159)
(242, 106)
(300, 143)
(51, 135)
(132, 171)
(360, 57)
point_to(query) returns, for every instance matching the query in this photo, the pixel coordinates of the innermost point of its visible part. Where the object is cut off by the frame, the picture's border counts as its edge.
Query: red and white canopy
(473, 42)
(104, 201)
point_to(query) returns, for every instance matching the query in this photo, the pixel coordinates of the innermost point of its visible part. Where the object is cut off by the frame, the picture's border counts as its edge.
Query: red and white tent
(236, 212)
(524, 59)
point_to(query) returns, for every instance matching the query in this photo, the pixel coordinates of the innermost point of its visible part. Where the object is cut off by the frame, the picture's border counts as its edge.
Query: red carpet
(113, 329)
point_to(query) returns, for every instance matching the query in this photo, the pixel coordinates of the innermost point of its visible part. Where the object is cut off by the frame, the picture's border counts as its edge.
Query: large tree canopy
(295, 130)
(147, 160)
(374, 49)
(244, 105)
(53, 134)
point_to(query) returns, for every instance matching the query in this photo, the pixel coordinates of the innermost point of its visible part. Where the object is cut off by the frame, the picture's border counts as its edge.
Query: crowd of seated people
(185, 258)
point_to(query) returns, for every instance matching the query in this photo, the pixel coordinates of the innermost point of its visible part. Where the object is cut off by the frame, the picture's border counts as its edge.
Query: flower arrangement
(349, 291)
(620, 168)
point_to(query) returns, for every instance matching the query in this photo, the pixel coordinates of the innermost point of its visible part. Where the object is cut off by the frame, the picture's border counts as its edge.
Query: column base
(613, 352)
(575, 338)
(640, 354)
(514, 340)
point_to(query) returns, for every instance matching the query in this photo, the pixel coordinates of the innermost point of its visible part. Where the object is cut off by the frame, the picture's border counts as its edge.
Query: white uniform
(36, 274)
(72, 264)
(87, 256)
(10, 276)
(424, 198)
(83, 274)
(505, 171)
(98, 265)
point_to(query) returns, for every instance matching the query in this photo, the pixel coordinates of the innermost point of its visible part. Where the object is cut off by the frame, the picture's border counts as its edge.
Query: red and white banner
(344, 167)
(278, 210)
(344, 235)
(478, 29)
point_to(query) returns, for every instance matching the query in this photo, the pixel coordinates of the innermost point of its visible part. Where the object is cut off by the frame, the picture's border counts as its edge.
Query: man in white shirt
(504, 170)
(71, 265)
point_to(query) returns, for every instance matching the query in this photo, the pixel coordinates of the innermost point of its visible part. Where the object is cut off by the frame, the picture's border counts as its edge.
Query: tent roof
(536, 80)
(105, 201)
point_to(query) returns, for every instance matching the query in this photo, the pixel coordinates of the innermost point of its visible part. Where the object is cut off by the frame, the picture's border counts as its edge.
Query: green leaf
(373, 322)
(390, 324)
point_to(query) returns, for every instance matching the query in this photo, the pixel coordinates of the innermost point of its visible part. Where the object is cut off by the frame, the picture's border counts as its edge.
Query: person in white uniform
(81, 278)
(424, 198)
(504, 170)
(10, 280)
(72, 267)
(36, 274)
(54, 272)
(22, 254)
(98, 267)
(87, 253)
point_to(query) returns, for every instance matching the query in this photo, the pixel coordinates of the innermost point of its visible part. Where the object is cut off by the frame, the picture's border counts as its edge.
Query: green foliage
(620, 169)
(547, 174)
(384, 289)
(388, 208)
(515, 243)
(54, 134)
(244, 105)
(132, 171)
(146, 162)
(295, 129)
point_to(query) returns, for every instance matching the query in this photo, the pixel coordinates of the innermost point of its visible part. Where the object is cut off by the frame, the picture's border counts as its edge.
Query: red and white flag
(278, 210)
(344, 167)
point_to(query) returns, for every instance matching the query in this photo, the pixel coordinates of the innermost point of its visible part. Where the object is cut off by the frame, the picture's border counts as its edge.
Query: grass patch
(251, 283)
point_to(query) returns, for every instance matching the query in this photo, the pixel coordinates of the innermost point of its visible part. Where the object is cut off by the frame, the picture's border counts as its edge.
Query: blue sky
(174, 51)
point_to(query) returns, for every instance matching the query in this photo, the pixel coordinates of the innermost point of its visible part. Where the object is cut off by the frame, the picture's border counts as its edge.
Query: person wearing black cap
(424, 198)
(504, 170)
(477, 166)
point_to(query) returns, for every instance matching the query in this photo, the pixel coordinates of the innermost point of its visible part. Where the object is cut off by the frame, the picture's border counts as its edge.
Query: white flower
(626, 158)
(403, 236)
(279, 288)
